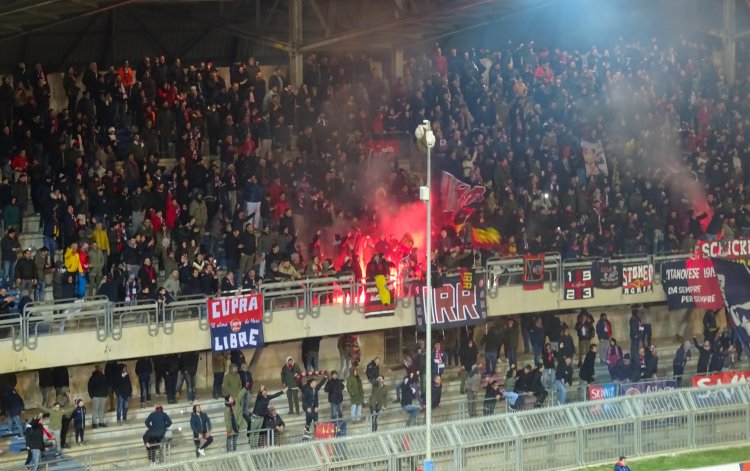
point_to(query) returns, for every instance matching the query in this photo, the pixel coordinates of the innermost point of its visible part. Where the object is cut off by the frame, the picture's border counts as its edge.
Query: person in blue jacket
(622, 464)
(310, 402)
(79, 420)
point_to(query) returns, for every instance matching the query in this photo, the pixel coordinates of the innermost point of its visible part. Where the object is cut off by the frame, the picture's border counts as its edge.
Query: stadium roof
(58, 32)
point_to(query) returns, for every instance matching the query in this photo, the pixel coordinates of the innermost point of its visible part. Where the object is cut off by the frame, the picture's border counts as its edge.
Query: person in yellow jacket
(101, 238)
(72, 259)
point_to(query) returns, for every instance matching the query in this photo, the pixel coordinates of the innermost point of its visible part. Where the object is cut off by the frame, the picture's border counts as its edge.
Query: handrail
(46, 313)
(306, 296)
(139, 309)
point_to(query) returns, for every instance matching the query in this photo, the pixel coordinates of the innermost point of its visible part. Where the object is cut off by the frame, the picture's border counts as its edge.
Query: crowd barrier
(560, 437)
(304, 297)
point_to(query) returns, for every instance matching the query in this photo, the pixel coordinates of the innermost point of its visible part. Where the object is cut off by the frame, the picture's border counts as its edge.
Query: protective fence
(561, 437)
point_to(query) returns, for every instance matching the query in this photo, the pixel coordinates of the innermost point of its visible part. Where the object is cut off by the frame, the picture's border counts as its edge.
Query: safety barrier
(561, 437)
(305, 297)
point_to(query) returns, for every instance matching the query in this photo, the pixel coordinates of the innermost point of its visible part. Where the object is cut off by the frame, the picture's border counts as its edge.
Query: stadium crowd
(283, 193)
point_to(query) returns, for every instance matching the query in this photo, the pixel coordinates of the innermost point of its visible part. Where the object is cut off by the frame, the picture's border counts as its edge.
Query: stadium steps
(107, 442)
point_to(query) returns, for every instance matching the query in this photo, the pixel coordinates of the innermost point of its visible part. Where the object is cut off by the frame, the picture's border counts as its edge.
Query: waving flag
(487, 238)
(734, 282)
(455, 194)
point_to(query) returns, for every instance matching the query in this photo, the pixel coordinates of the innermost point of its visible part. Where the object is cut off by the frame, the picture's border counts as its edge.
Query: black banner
(461, 300)
(607, 275)
(637, 278)
(578, 284)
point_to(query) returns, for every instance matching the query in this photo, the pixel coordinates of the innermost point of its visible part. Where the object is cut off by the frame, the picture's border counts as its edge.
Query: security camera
(430, 139)
(419, 132)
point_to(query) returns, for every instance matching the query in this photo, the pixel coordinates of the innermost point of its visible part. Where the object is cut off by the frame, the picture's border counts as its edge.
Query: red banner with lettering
(725, 377)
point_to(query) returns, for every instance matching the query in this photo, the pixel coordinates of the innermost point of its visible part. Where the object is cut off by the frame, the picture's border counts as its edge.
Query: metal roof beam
(391, 25)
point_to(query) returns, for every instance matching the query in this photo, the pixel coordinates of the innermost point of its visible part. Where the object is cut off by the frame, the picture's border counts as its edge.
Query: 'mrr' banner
(460, 301)
(236, 322)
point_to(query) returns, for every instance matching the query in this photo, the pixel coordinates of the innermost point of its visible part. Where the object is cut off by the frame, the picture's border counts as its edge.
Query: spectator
(61, 382)
(200, 425)
(439, 359)
(536, 338)
(335, 389)
(704, 355)
(124, 391)
(586, 372)
(275, 424)
(603, 333)
(473, 384)
(468, 358)
(311, 352)
(10, 249)
(98, 391)
(346, 345)
(157, 424)
(290, 378)
(13, 407)
(310, 402)
(79, 421)
(35, 441)
(492, 394)
(373, 371)
(189, 368)
(261, 408)
(585, 331)
(218, 365)
(512, 332)
(143, 370)
(54, 423)
(408, 394)
(232, 383)
(356, 394)
(563, 377)
(46, 385)
(614, 355)
(622, 464)
(681, 357)
(491, 342)
(378, 399)
(234, 422)
(710, 328)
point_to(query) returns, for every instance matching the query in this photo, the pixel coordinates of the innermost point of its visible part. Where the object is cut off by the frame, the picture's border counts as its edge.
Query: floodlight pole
(424, 134)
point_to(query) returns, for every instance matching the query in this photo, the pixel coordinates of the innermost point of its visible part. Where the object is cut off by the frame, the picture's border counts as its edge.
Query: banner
(379, 300)
(607, 275)
(453, 305)
(638, 278)
(726, 377)
(734, 249)
(593, 158)
(533, 272)
(455, 194)
(487, 238)
(734, 279)
(389, 146)
(602, 391)
(578, 284)
(630, 389)
(236, 322)
(691, 283)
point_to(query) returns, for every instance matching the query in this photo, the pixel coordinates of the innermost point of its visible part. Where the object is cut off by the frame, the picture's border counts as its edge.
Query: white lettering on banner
(451, 303)
(236, 340)
(735, 248)
(637, 272)
(228, 307)
(683, 274)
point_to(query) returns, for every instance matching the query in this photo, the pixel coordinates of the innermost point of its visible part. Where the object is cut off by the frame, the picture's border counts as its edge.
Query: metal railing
(304, 297)
(562, 437)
